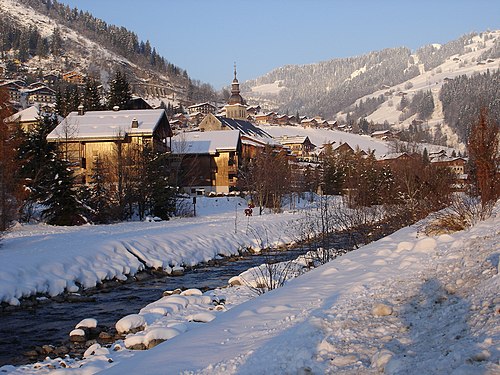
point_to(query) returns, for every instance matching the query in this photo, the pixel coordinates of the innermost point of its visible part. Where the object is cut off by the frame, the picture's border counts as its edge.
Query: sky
(206, 37)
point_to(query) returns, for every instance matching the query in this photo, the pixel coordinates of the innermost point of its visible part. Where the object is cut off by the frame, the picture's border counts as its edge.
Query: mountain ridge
(298, 85)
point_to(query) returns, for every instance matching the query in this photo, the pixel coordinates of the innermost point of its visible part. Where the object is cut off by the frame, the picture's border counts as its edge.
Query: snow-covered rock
(130, 323)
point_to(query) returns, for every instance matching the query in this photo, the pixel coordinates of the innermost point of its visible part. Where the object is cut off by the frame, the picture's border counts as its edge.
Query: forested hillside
(47, 34)
(464, 97)
(334, 86)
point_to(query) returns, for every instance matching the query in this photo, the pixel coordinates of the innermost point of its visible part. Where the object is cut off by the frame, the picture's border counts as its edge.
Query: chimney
(81, 110)
(116, 108)
(135, 123)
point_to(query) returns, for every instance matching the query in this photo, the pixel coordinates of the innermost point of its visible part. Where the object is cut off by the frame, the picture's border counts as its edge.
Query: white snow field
(406, 304)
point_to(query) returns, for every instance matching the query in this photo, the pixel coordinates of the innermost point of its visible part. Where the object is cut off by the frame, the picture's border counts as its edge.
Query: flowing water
(50, 322)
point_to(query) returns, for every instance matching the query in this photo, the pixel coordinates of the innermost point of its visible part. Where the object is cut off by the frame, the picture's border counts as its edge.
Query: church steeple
(235, 91)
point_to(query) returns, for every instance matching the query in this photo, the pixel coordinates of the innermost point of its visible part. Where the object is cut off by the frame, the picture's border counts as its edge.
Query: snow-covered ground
(47, 259)
(322, 136)
(406, 304)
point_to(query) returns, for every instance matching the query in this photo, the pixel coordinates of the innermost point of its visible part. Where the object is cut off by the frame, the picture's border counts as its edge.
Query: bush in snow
(463, 213)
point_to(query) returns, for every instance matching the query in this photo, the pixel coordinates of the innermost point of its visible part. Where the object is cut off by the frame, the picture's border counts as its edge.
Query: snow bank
(41, 259)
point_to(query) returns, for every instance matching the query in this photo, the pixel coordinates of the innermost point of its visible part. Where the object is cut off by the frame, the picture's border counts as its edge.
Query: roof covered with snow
(26, 115)
(206, 142)
(245, 127)
(108, 124)
(292, 139)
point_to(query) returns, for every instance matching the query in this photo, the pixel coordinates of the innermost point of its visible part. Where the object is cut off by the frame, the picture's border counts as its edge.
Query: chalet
(456, 165)
(394, 159)
(196, 117)
(343, 148)
(382, 134)
(332, 124)
(14, 88)
(320, 122)
(74, 77)
(182, 118)
(203, 108)
(26, 119)
(252, 134)
(266, 118)
(282, 120)
(207, 161)
(136, 102)
(84, 136)
(300, 146)
(40, 95)
(50, 78)
(253, 110)
(309, 123)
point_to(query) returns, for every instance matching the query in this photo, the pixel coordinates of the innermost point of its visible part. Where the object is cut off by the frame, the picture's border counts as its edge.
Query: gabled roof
(30, 114)
(245, 127)
(394, 156)
(206, 142)
(381, 132)
(109, 124)
(201, 105)
(292, 139)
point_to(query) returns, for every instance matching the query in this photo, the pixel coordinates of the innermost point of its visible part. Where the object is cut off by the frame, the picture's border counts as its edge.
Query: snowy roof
(381, 132)
(444, 158)
(292, 139)
(245, 127)
(201, 105)
(109, 124)
(205, 142)
(26, 115)
(393, 156)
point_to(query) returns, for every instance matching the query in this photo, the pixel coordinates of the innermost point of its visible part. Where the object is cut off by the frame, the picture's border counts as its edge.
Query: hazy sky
(206, 37)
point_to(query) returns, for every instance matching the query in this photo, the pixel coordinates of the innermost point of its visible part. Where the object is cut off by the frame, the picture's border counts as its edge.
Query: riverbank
(46, 260)
(408, 303)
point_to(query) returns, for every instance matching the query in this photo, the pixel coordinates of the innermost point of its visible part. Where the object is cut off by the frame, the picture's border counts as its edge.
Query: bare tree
(11, 189)
(483, 147)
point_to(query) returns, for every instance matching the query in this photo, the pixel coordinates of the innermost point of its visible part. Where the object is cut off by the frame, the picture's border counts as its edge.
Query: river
(50, 322)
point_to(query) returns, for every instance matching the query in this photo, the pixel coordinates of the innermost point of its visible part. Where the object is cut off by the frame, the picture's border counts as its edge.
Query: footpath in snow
(406, 304)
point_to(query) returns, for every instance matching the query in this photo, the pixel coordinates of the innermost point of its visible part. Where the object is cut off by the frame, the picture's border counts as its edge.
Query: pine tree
(35, 153)
(161, 201)
(91, 97)
(100, 201)
(56, 45)
(425, 156)
(119, 91)
(62, 206)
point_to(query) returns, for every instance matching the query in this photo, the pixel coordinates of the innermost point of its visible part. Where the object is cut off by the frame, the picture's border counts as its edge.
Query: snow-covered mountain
(332, 88)
(85, 50)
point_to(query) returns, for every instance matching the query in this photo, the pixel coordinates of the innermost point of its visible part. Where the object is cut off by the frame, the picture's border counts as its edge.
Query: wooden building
(84, 136)
(204, 108)
(25, 119)
(207, 162)
(299, 146)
